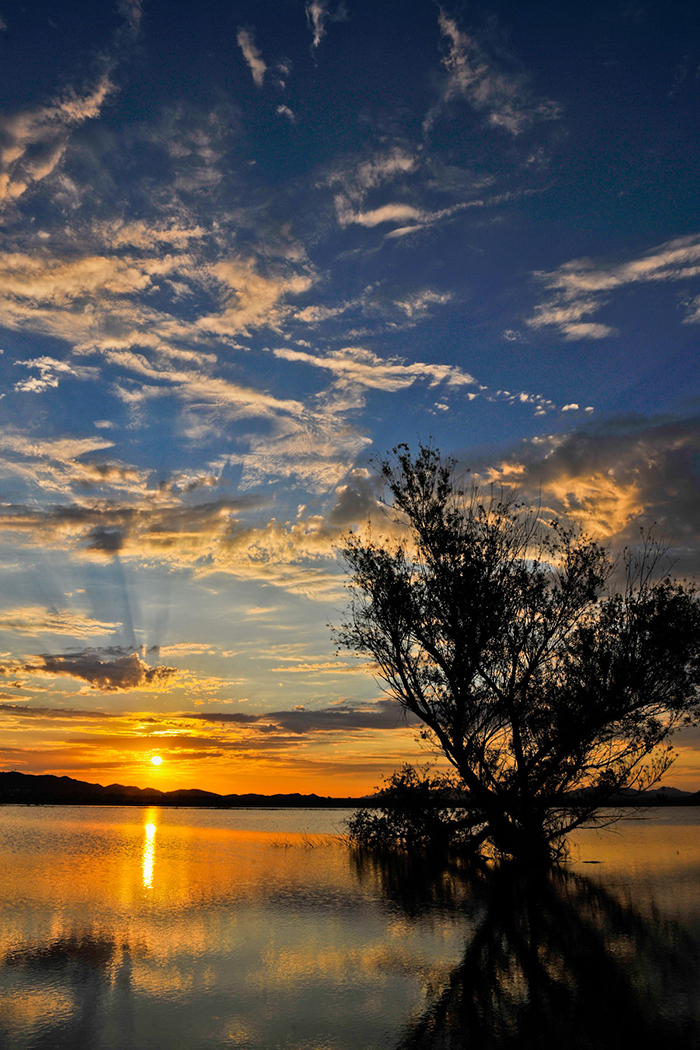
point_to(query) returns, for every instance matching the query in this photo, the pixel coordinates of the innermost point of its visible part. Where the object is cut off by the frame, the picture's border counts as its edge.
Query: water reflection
(555, 959)
(149, 848)
(61, 986)
(232, 936)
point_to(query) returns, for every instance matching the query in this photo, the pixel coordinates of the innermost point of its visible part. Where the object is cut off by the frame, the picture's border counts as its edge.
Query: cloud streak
(355, 365)
(31, 620)
(581, 288)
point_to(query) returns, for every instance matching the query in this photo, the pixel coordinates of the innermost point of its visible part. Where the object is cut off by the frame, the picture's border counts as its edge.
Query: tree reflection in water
(80, 965)
(555, 959)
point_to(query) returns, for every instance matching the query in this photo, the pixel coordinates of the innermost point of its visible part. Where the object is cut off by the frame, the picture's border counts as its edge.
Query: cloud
(358, 179)
(505, 98)
(251, 299)
(132, 12)
(81, 299)
(618, 477)
(381, 714)
(397, 213)
(252, 55)
(116, 674)
(581, 288)
(174, 530)
(318, 13)
(182, 649)
(57, 465)
(62, 450)
(285, 111)
(51, 714)
(33, 141)
(204, 538)
(50, 369)
(120, 233)
(280, 740)
(32, 620)
(356, 366)
(418, 304)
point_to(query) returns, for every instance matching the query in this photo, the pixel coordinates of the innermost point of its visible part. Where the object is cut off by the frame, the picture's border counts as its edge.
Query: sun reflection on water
(149, 850)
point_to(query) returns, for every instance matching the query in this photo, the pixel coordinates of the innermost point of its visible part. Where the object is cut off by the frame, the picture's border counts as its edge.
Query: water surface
(161, 928)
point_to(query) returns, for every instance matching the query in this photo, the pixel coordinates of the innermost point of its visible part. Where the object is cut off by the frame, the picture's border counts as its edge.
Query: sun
(156, 760)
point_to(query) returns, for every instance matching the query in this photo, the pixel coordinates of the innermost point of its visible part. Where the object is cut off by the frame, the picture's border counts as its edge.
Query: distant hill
(661, 796)
(27, 789)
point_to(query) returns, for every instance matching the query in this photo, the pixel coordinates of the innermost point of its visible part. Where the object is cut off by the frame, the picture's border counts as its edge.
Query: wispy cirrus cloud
(251, 299)
(318, 14)
(58, 466)
(356, 365)
(580, 289)
(359, 177)
(504, 97)
(252, 55)
(51, 714)
(406, 217)
(50, 371)
(33, 141)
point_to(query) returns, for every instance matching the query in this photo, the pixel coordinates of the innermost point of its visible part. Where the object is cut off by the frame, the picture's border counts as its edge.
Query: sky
(245, 250)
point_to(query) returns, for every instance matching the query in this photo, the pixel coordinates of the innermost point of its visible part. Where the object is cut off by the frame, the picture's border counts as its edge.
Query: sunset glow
(240, 261)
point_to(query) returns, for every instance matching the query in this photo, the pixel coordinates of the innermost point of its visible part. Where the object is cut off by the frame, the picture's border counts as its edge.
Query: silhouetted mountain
(661, 796)
(46, 789)
(27, 789)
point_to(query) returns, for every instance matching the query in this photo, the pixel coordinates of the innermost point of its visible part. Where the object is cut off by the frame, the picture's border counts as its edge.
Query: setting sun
(156, 760)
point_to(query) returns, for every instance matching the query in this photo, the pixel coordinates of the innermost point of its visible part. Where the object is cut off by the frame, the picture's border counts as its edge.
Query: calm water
(128, 928)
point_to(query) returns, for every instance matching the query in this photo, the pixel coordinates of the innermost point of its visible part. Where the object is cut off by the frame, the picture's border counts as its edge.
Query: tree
(416, 807)
(548, 686)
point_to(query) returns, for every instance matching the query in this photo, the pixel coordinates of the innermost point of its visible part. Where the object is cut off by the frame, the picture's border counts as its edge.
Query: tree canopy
(549, 674)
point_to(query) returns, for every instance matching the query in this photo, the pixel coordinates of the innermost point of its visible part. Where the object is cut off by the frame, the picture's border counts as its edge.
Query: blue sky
(244, 248)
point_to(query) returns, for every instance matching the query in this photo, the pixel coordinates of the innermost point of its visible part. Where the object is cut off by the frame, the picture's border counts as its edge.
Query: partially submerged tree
(548, 689)
(415, 808)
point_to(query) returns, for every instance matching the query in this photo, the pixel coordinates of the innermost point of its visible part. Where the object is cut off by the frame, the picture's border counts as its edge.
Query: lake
(259, 929)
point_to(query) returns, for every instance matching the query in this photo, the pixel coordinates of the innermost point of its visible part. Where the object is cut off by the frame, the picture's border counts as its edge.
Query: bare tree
(548, 688)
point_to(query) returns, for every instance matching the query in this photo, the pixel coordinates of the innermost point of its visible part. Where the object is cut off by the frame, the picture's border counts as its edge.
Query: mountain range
(46, 789)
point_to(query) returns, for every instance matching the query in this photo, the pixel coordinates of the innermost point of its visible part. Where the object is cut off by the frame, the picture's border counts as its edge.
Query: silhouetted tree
(548, 689)
(415, 807)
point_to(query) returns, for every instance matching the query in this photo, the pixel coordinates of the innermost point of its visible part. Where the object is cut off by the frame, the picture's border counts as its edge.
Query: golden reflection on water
(149, 849)
(228, 919)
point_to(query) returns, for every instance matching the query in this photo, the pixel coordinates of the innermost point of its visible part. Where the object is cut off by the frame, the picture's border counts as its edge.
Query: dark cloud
(382, 714)
(113, 674)
(356, 500)
(618, 477)
(112, 527)
(106, 539)
(207, 745)
(51, 713)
